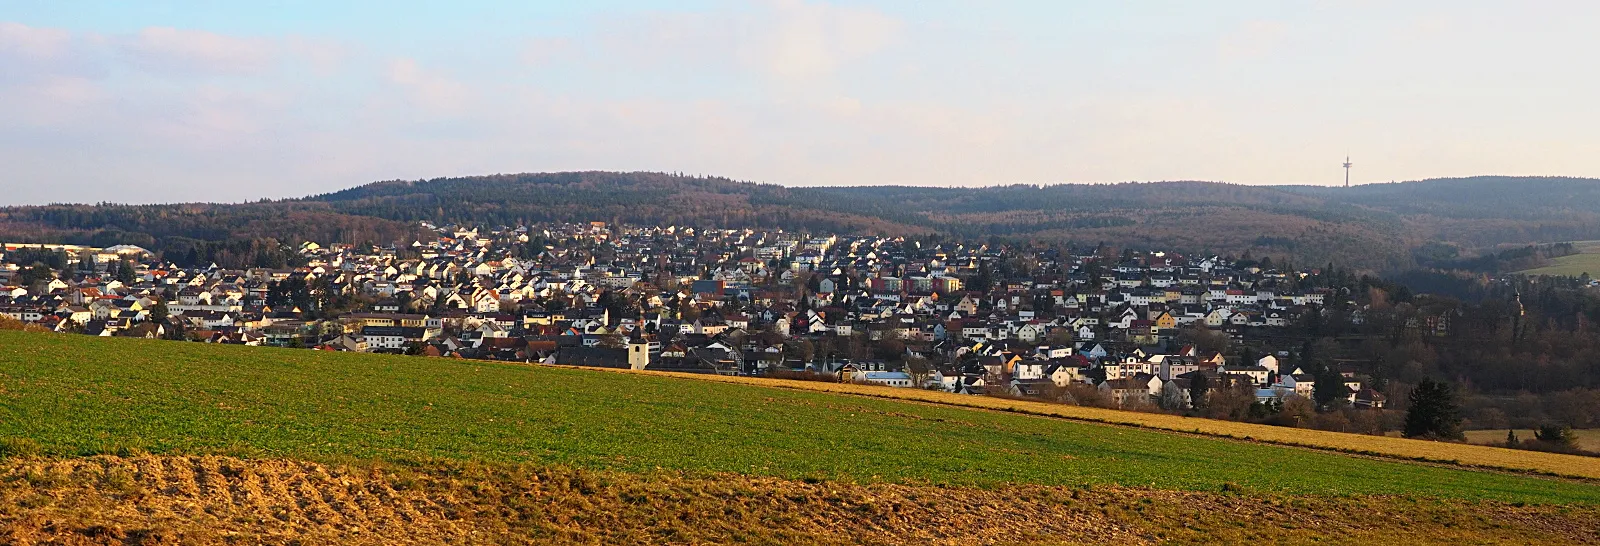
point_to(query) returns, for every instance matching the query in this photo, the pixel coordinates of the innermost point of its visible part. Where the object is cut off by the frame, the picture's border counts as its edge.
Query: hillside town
(1137, 328)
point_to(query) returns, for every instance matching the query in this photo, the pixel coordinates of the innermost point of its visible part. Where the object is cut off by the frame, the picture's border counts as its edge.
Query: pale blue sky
(225, 101)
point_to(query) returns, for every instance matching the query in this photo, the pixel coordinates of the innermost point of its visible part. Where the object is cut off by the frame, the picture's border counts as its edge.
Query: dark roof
(682, 365)
(706, 287)
(599, 357)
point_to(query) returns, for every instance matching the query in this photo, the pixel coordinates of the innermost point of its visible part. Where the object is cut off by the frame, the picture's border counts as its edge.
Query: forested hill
(1531, 198)
(1375, 226)
(643, 198)
(1379, 226)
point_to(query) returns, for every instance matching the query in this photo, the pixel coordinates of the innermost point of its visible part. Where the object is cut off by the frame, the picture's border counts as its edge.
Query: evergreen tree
(36, 273)
(1329, 387)
(983, 282)
(159, 312)
(125, 271)
(1434, 412)
(1557, 435)
(1198, 387)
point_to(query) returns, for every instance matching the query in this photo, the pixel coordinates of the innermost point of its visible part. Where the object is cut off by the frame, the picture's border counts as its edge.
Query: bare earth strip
(223, 500)
(1553, 464)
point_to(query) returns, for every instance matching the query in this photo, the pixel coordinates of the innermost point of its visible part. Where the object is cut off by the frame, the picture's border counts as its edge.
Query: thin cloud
(790, 41)
(800, 41)
(17, 39)
(427, 89)
(29, 54)
(190, 51)
(799, 93)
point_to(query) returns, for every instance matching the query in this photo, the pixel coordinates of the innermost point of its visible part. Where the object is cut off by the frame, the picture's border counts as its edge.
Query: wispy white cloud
(167, 48)
(799, 93)
(427, 89)
(33, 43)
(30, 53)
(792, 41)
(801, 42)
(323, 56)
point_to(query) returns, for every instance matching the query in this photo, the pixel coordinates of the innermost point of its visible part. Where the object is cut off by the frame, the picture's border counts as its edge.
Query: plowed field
(224, 500)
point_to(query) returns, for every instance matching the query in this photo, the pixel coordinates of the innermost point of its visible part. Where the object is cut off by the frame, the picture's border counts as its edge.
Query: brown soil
(224, 500)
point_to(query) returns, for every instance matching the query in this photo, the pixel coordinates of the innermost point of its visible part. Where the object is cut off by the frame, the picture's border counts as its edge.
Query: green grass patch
(69, 395)
(1587, 260)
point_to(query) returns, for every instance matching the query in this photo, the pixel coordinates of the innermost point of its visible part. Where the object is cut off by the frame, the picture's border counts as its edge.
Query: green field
(1587, 260)
(72, 395)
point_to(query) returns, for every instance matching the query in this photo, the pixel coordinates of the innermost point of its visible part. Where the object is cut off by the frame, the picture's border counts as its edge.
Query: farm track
(1451, 454)
(224, 500)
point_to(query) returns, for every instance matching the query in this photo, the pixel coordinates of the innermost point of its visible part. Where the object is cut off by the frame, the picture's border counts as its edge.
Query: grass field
(1588, 439)
(1587, 260)
(73, 395)
(1385, 446)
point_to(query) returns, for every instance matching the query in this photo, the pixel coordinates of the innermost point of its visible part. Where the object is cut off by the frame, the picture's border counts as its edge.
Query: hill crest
(1376, 227)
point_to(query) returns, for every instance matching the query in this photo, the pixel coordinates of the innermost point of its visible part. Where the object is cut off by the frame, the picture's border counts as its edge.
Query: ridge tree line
(231, 236)
(1312, 225)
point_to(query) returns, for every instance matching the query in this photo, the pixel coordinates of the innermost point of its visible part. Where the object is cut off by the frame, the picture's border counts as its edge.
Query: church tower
(638, 351)
(1517, 312)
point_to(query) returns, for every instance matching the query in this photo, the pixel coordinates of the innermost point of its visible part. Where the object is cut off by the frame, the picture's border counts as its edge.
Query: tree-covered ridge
(1514, 197)
(1380, 227)
(235, 235)
(1377, 227)
(643, 198)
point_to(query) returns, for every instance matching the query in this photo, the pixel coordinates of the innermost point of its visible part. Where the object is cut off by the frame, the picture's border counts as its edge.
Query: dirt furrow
(222, 500)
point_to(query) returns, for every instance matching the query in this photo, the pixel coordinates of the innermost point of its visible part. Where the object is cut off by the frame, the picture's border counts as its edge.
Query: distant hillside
(236, 235)
(1379, 226)
(1374, 226)
(647, 198)
(1531, 198)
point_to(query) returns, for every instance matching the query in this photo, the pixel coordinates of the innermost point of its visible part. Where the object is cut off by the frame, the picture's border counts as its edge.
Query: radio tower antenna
(1347, 171)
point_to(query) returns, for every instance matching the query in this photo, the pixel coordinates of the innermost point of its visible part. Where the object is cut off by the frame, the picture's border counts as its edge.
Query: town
(1133, 329)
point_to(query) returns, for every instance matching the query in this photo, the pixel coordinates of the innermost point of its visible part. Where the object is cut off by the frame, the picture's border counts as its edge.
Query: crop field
(74, 395)
(150, 499)
(1587, 260)
(1588, 439)
(1385, 446)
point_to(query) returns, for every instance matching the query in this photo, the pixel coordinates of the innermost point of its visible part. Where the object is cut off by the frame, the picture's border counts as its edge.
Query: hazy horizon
(194, 102)
(961, 186)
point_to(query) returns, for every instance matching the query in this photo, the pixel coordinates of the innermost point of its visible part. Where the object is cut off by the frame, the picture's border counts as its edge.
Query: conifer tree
(1434, 412)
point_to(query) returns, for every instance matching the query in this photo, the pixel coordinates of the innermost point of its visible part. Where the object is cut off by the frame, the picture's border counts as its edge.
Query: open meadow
(1587, 260)
(1391, 446)
(146, 404)
(1588, 439)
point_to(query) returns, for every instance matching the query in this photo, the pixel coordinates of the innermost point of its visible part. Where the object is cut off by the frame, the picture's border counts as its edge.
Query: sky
(165, 101)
